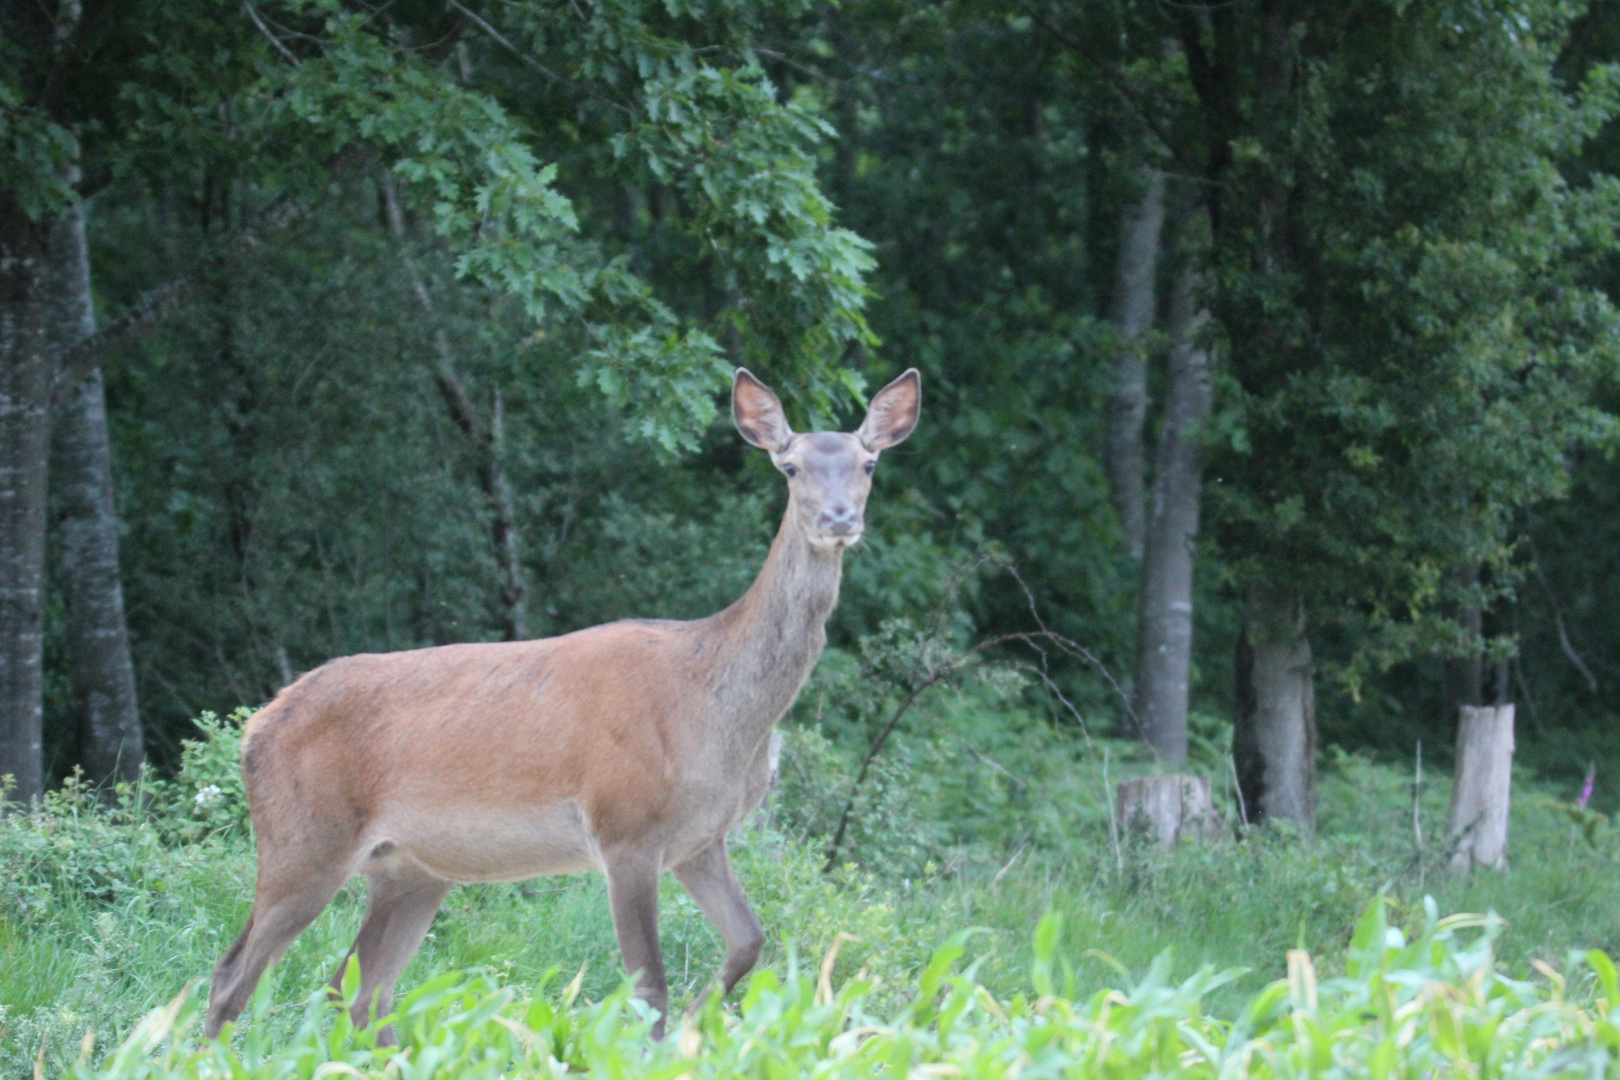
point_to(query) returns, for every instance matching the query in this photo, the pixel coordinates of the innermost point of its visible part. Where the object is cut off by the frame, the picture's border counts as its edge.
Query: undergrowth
(109, 910)
(1436, 1006)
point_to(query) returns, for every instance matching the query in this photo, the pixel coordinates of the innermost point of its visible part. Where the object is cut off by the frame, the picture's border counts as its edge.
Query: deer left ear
(758, 414)
(893, 413)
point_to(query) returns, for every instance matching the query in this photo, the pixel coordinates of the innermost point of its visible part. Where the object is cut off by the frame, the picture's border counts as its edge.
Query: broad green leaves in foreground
(1433, 1007)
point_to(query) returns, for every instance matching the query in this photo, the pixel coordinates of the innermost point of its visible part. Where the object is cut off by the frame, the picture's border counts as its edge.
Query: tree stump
(1167, 807)
(1478, 821)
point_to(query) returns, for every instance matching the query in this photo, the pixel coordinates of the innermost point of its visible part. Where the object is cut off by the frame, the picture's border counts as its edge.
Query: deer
(632, 747)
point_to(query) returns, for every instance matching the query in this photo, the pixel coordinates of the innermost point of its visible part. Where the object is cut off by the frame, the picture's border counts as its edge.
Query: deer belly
(496, 843)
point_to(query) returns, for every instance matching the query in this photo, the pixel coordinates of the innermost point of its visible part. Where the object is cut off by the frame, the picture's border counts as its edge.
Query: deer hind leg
(399, 910)
(283, 905)
(710, 882)
(633, 894)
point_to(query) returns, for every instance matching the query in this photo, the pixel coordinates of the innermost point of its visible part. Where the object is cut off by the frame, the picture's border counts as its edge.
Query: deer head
(829, 473)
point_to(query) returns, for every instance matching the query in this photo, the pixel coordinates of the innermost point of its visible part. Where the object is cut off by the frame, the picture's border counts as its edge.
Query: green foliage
(1411, 364)
(34, 155)
(744, 160)
(72, 847)
(80, 846)
(739, 156)
(610, 204)
(922, 750)
(1434, 1005)
(976, 155)
(208, 794)
(275, 100)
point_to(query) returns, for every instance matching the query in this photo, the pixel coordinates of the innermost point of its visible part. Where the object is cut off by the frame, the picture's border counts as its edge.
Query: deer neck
(776, 631)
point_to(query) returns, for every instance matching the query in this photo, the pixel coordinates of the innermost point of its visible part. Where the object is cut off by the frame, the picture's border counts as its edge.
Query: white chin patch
(840, 542)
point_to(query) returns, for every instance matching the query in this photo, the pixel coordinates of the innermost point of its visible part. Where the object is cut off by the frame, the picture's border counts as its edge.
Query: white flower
(209, 795)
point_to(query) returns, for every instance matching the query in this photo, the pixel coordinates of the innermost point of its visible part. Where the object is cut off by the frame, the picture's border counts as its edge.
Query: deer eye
(870, 466)
(791, 469)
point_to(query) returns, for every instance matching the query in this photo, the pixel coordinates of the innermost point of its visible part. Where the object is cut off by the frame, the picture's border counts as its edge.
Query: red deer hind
(633, 747)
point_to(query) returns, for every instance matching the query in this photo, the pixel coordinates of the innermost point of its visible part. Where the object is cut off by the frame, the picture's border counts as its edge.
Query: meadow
(1035, 928)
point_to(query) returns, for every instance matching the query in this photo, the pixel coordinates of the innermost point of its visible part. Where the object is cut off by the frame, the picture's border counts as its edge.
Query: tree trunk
(1164, 625)
(485, 439)
(1274, 743)
(26, 370)
(81, 463)
(1132, 312)
(1477, 824)
(1167, 808)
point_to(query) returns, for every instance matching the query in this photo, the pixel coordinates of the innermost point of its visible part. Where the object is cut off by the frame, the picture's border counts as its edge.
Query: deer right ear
(893, 413)
(758, 414)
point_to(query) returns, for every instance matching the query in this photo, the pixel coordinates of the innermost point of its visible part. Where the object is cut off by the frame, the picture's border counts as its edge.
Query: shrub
(208, 797)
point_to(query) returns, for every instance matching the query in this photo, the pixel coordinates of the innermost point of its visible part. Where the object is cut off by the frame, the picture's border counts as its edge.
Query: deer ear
(893, 412)
(758, 414)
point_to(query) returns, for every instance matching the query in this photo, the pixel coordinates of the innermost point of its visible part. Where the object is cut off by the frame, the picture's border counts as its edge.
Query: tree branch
(253, 14)
(1035, 640)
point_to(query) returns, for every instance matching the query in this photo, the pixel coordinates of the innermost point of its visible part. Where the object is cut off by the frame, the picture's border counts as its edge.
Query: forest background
(415, 320)
(1269, 353)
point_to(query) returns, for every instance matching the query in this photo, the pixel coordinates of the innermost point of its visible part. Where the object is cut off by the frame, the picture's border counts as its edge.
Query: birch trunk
(1477, 823)
(1165, 608)
(26, 370)
(1274, 743)
(87, 527)
(1132, 311)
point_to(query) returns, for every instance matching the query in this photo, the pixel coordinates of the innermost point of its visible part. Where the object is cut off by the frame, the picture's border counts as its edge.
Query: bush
(208, 796)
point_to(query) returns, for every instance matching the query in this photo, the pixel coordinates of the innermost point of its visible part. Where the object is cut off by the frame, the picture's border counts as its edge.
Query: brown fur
(633, 747)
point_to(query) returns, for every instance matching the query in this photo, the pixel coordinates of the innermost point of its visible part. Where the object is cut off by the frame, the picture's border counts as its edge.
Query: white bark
(1165, 608)
(1477, 824)
(87, 527)
(26, 370)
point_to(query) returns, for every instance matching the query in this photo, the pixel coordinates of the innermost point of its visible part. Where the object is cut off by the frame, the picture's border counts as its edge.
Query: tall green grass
(1436, 1006)
(106, 914)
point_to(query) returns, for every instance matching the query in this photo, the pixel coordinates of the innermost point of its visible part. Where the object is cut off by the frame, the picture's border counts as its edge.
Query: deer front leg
(633, 895)
(713, 887)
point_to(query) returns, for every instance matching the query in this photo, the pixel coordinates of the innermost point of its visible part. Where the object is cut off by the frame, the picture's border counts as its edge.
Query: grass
(106, 915)
(1434, 1006)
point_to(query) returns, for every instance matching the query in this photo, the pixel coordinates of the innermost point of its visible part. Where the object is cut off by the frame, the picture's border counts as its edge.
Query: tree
(1164, 614)
(1397, 274)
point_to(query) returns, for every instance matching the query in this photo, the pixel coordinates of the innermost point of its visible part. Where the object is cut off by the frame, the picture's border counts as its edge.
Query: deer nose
(839, 519)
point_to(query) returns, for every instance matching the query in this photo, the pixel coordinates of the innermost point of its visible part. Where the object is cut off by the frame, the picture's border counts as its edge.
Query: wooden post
(1478, 821)
(1167, 807)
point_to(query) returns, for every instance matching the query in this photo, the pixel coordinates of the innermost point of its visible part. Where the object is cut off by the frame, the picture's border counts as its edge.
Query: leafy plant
(1432, 1006)
(208, 793)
